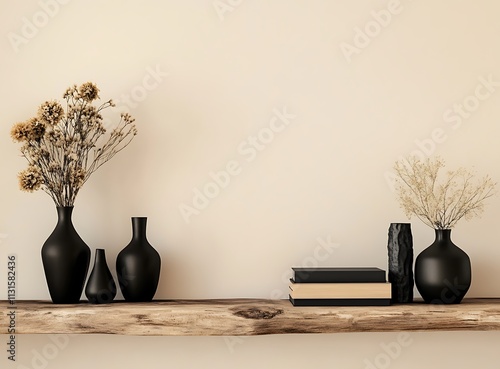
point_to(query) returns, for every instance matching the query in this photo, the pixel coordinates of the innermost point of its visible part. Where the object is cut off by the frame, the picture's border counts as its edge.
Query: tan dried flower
(71, 92)
(440, 201)
(20, 132)
(127, 118)
(37, 129)
(51, 112)
(31, 130)
(88, 92)
(30, 179)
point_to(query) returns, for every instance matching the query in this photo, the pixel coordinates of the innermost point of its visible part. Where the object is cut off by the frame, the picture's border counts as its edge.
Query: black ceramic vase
(101, 288)
(138, 265)
(65, 259)
(443, 271)
(400, 255)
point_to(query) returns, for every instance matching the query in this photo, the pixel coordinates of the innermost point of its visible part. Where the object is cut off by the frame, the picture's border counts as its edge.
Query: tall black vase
(400, 255)
(65, 259)
(138, 265)
(101, 288)
(443, 271)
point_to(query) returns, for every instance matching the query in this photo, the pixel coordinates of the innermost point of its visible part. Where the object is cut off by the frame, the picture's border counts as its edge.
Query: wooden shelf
(244, 317)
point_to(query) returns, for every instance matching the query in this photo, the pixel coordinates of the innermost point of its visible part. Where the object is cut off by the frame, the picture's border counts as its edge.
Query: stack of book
(339, 287)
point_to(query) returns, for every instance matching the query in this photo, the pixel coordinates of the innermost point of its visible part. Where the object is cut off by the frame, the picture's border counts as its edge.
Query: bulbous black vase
(65, 258)
(101, 287)
(138, 265)
(443, 272)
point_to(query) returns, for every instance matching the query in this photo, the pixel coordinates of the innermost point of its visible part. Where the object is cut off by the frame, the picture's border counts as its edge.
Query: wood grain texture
(244, 317)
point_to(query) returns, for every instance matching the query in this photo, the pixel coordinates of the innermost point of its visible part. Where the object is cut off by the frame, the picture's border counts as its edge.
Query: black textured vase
(65, 259)
(101, 288)
(138, 265)
(443, 271)
(400, 252)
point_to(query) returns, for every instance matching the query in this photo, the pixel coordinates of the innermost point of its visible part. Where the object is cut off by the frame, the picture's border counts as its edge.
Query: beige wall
(202, 77)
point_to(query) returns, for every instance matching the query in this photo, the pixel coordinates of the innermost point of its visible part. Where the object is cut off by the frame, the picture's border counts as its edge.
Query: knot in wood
(257, 313)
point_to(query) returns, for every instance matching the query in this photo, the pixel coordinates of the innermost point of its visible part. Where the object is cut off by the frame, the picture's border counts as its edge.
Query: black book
(338, 275)
(339, 302)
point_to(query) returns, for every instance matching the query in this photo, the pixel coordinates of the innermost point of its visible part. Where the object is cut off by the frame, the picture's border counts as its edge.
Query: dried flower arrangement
(61, 147)
(440, 201)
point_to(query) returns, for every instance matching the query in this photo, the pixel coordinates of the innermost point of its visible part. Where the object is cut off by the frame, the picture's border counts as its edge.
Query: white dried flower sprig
(438, 200)
(62, 146)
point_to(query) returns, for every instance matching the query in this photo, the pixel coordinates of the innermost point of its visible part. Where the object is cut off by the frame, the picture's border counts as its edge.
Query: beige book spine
(340, 290)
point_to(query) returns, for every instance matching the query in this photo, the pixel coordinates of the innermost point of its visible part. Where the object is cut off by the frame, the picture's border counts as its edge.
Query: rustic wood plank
(244, 317)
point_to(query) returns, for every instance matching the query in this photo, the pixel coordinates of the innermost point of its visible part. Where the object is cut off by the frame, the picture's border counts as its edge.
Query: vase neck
(64, 212)
(443, 235)
(64, 217)
(139, 228)
(100, 256)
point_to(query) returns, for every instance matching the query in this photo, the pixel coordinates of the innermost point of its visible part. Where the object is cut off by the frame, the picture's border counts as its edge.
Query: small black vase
(443, 271)
(138, 265)
(101, 288)
(65, 259)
